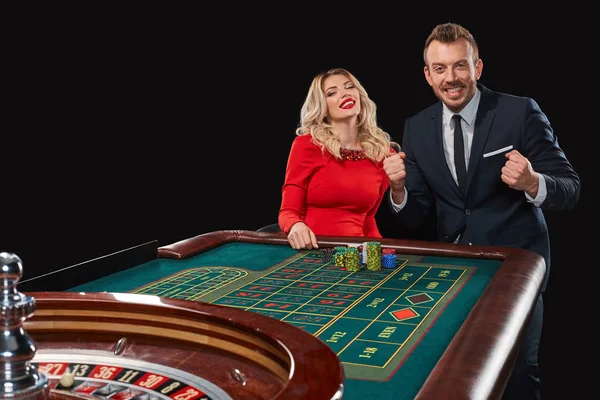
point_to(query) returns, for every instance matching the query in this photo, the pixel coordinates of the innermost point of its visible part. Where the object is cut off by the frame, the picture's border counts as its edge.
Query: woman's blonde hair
(313, 120)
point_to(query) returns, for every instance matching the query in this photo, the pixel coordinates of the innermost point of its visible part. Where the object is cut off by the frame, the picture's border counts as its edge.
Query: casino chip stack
(339, 249)
(388, 250)
(359, 248)
(339, 257)
(388, 258)
(388, 261)
(352, 258)
(373, 256)
(328, 254)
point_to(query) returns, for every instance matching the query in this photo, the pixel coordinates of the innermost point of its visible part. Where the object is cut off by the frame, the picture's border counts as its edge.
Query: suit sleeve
(300, 166)
(419, 198)
(547, 158)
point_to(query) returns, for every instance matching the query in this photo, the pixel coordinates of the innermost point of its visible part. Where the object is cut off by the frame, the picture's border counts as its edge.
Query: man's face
(451, 72)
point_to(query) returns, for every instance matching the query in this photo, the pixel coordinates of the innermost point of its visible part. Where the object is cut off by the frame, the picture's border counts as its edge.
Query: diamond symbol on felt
(419, 298)
(404, 314)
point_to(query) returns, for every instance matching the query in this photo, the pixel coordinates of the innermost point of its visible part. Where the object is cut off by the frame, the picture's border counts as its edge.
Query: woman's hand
(301, 237)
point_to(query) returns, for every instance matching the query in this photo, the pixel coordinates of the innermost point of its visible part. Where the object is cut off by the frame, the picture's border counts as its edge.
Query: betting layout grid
(325, 312)
(273, 295)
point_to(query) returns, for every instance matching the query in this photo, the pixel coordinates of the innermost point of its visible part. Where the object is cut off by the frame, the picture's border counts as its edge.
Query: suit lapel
(437, 133)
(483, 124)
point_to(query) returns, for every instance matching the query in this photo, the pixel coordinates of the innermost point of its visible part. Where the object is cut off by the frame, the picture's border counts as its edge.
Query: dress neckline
(352, 155)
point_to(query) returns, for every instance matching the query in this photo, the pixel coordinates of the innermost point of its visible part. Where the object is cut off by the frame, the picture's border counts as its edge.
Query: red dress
(333, 197)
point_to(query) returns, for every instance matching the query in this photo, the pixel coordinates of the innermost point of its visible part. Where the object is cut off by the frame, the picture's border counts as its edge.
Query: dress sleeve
(300, 166)
(370, 227)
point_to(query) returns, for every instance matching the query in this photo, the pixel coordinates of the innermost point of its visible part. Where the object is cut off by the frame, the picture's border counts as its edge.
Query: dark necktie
(459, 154)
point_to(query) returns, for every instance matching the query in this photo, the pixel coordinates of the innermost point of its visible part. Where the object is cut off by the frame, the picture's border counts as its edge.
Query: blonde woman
(334, 181)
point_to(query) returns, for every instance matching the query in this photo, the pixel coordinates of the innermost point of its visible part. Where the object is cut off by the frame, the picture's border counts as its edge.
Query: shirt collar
(468, 113)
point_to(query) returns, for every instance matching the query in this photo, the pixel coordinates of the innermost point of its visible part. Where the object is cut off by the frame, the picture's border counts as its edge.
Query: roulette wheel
(123, 346)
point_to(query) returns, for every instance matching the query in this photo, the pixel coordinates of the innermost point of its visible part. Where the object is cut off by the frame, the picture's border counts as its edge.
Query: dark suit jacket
(493, 213)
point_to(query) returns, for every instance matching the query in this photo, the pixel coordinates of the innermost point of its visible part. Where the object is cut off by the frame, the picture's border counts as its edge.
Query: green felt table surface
(388, 327)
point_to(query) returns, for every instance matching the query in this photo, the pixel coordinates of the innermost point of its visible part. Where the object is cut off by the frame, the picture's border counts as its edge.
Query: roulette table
(445, 322)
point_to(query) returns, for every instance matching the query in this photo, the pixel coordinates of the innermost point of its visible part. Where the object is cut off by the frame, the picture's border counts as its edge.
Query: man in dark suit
(490, 162)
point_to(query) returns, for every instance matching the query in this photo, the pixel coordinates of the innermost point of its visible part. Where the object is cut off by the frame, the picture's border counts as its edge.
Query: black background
(128, 124)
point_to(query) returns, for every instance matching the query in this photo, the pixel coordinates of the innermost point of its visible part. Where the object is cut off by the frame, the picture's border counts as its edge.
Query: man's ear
(427, 75)
(478, 69)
